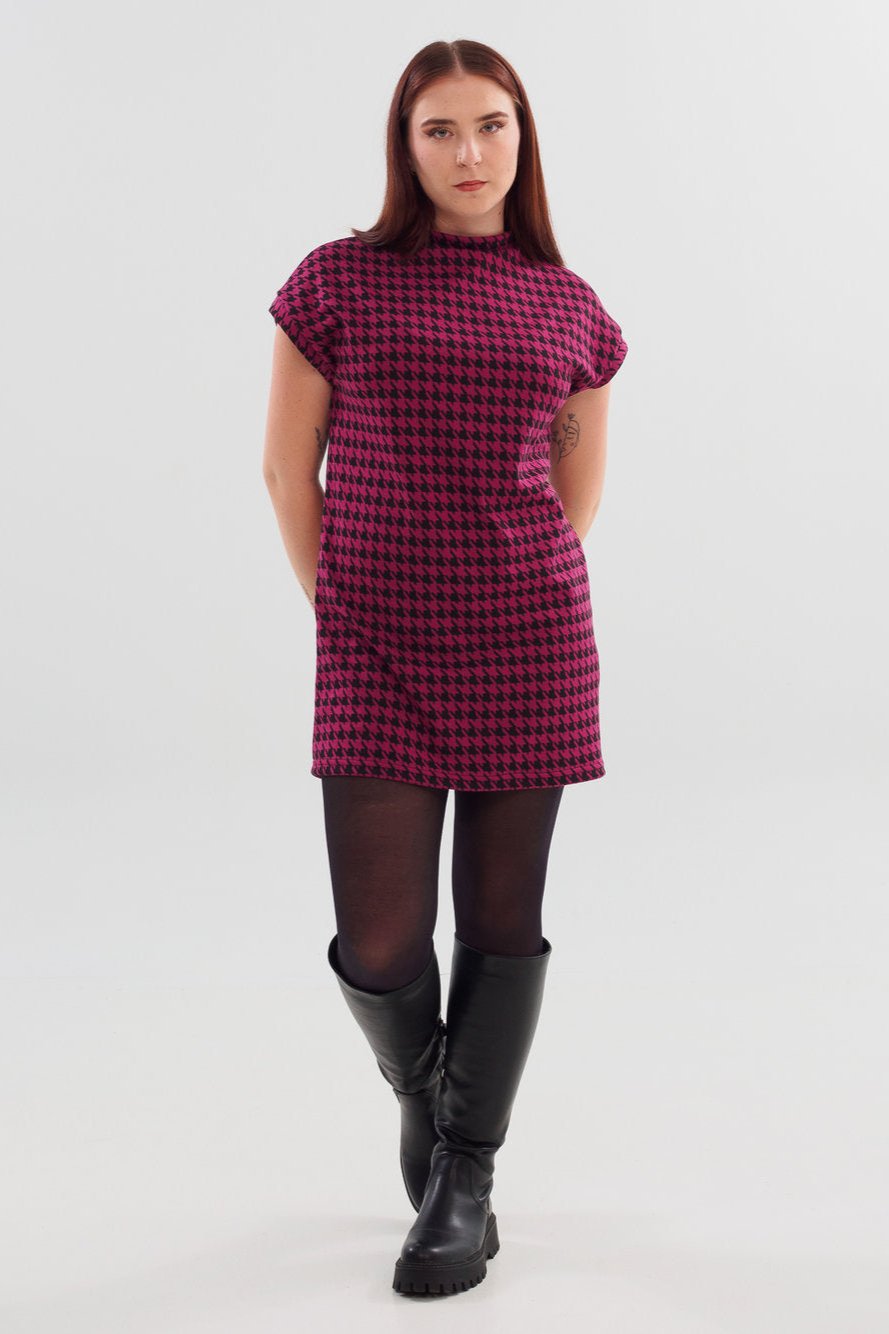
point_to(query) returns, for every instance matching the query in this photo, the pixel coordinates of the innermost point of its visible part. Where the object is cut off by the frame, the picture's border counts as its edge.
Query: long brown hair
(407, 215)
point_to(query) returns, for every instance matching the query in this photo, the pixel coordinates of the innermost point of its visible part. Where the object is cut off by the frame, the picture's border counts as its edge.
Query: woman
(459, 373)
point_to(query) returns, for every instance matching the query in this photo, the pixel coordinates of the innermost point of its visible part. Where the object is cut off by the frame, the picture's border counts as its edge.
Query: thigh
(384, 844)
(500, 856)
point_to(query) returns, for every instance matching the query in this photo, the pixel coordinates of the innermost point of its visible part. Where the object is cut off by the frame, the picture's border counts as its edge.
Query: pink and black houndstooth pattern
(454, 630)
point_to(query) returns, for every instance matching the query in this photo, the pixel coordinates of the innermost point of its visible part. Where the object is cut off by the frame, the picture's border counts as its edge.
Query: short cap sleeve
(304, 309)
(601, 347)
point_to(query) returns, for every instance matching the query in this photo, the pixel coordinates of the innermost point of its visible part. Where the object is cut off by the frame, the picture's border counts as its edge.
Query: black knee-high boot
(405, 1031)
(494, 1003)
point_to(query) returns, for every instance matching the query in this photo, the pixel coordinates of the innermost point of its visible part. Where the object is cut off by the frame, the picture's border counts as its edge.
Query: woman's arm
(295, 440)
(578, 441)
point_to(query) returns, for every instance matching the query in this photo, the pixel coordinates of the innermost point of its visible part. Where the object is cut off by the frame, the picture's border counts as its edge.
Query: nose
(469, 153)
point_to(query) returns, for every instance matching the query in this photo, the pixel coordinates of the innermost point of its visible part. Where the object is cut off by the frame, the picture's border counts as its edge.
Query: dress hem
(362, 769)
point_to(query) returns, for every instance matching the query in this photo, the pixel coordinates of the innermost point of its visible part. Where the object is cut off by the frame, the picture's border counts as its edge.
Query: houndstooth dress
(454, 629)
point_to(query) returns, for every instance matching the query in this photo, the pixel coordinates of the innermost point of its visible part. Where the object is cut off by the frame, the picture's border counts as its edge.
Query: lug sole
(433, 1279)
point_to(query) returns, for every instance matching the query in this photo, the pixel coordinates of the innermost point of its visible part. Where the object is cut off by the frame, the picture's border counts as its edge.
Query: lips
(470, 185)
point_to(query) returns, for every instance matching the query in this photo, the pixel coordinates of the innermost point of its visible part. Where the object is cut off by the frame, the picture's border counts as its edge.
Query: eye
(441, 129)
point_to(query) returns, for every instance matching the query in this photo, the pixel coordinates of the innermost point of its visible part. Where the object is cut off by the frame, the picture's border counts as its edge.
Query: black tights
(384, 841)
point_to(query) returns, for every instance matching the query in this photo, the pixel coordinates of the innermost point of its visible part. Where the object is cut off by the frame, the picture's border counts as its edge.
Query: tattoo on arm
(566, 435)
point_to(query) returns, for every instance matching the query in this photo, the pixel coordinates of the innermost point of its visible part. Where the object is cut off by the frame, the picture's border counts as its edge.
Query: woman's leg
(501, 850)
(384, 840)
(498, 971)
(384, 843)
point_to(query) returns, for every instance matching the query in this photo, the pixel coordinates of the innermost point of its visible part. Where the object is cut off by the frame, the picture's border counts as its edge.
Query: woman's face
(464, 128)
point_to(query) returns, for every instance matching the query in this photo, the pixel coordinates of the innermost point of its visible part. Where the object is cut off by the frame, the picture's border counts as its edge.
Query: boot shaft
(403, 1027)
(494, 1003)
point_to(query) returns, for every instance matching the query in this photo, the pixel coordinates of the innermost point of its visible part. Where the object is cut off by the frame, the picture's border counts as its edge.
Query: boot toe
(431, 1250)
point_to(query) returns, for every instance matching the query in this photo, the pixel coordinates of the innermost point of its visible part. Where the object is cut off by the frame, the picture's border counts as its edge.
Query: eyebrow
(441, 120)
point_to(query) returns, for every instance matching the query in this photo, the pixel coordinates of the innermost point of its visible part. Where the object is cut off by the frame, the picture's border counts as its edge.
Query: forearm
(298, 507)
(579, 511)
(578, 447)
(583, 523)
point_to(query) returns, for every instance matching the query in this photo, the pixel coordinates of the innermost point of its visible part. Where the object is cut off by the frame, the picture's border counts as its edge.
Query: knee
(378, 962)
(506, 929)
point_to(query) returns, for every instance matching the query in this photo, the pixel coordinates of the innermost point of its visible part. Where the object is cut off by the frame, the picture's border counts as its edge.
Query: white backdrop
(197, 1134)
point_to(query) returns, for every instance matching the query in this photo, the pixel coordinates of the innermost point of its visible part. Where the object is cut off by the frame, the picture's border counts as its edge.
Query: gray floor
(698, 1143)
